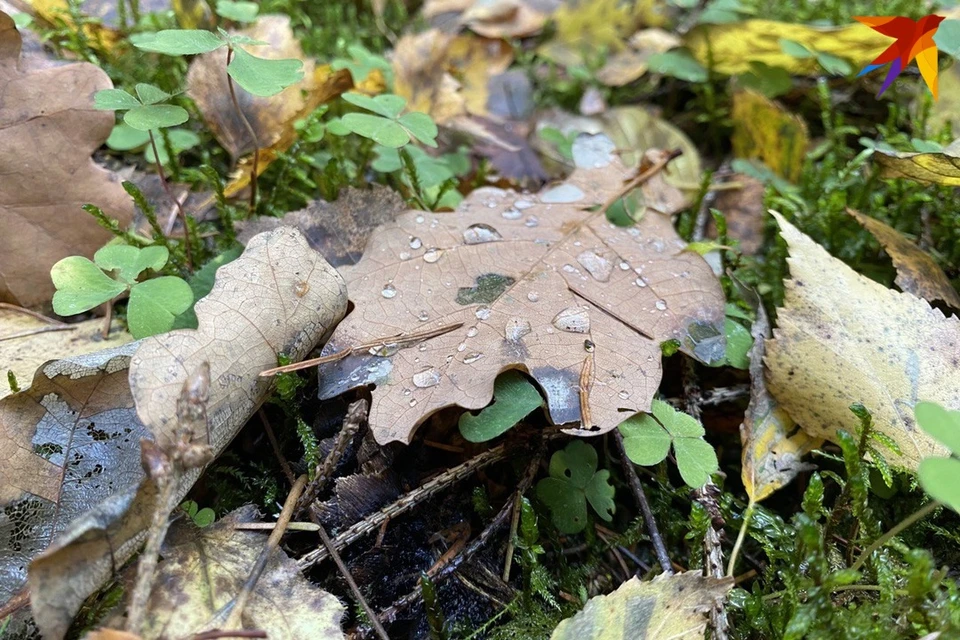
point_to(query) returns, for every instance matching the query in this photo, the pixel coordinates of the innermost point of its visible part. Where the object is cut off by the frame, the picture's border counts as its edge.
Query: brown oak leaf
(540, 282)
(48, 129)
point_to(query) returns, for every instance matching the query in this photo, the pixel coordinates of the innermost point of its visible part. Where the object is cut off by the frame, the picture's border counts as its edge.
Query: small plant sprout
(647, 439)
(154, 304)
(574, 481)
(146, 112)
(258, 76)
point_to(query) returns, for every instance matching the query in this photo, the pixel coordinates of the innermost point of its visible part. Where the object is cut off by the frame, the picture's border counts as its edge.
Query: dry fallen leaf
(772, 442)
(203, 570)
(48, 129)
(917, 271)
(744, 211)
(941, 167)
(445, 75)
(279, 296)
(843, 338)
(338, 230)
(764, 130)
(626, 66)
(24, 355)
(491, 18)
(586, 28)
(538, 282)
(730, 48)
(675, 606)
(272, 118)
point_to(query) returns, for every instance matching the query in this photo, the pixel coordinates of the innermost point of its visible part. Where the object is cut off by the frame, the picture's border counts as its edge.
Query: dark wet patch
(490, 286)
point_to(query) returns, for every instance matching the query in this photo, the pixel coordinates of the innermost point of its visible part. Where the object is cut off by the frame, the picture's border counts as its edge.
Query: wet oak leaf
(538, 282)
(843, 339)
(279, 296)
(204, 569)
(675, 606)
(917, 271)
(48, 129)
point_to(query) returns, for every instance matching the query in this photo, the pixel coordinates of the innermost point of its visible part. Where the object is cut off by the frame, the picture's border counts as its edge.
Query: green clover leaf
(647, 439)
(81, 286)
(388, 128)
(263, 77)
(155, 304)
(574, 481)
(514, 397)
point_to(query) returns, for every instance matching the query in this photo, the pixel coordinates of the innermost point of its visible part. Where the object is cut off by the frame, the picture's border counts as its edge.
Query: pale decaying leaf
(540, 282)
(917, 271)
(730, 48)
(272, 118)
(772, 442)
(48, 129)
(940, 167)
(447, 75)
(23, 355)
(67, 443)
(763, 130)
(676, 606)
(843, 338)
(279, 296)
(203, 570)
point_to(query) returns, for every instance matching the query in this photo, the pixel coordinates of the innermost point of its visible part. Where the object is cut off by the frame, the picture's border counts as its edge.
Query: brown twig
(356, 415)
(345, 572)
(442, 572)
(633, 480)
(107, 319)
(398, 341)
(514, 523)
(237, 633)
(234, 620)
(32, 314)
(641, 178)
(253, 136)
(272, 437)
(38, 330)
(406, 502)
(165, 465)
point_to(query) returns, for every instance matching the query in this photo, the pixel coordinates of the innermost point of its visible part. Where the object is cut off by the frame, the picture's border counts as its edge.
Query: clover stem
(176, 201)
(747, 514)
(919, 514)
(253, 135)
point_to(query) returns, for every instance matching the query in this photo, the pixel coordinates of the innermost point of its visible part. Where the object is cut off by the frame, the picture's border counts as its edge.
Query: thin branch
(234, 620)
(634, 480)
(32, 314)
(345, 572)
(38, 330)
(272, 437)
(356, 415)
(406, 502)
(399, 341)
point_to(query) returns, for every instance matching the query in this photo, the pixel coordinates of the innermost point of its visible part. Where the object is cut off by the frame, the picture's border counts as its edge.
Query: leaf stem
(919, 514)
(250, 130)
(747, 515)
(176, 201)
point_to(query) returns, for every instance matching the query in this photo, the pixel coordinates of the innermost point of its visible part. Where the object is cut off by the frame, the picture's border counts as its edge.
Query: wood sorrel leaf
(81, 286)
(179, 42)
(263, 77)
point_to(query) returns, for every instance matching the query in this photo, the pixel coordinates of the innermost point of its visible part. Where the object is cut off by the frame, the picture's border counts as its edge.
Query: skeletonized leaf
(279, 296)
(772, 441)
(674, 606)
(540, 282)
(843, 338)
(204, 569)
(940, 167)
(917, 271)
(48, 131)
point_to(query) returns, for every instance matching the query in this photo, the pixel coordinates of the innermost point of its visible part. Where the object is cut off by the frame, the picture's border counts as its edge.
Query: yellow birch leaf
(940, 167)
(764, 130)
(843, 339)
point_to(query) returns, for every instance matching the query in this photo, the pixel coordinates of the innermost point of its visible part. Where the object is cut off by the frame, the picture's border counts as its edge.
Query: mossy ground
(795, 569)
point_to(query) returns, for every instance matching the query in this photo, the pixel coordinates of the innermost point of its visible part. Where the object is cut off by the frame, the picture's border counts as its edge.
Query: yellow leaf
(589, 26)
(674, 606)
(730, 48)
(941, 167)
(843, 338)
(764, 130)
